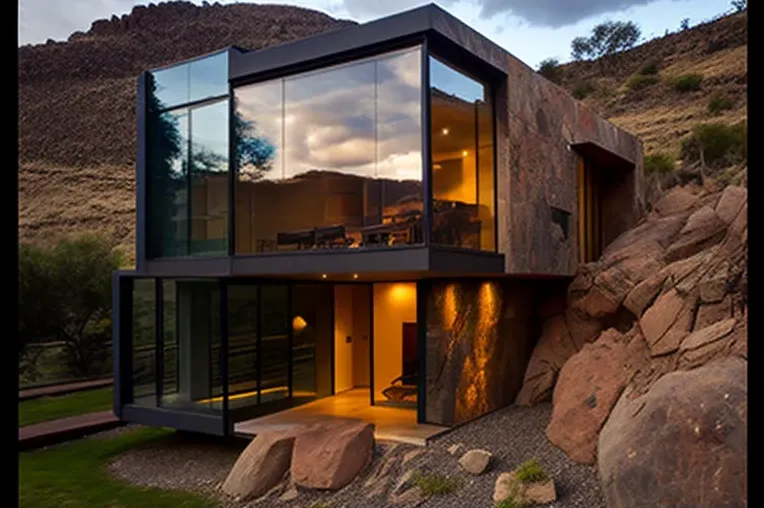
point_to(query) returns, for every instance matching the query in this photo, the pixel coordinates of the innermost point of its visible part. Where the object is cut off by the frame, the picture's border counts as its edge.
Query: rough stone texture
(710, 313)
(677, 200)
(666, 323)
(507, 485)
(478, 343)
(704, 344)
(684, 443)
(475, 461)
(329, 455)
(540, 172)
(261, 466)
(732, 200)
(644, 293)
(703, 229)
(588, 387)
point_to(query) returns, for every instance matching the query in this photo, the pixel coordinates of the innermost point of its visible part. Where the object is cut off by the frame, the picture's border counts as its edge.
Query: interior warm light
(355, 275)
(298, 323)
(323, 275)
(403, 292)
(465, 153)
(444, 131)
(436, 166)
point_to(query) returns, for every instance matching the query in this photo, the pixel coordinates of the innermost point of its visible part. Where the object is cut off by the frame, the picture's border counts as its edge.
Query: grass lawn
(74, 475)
(43, 409)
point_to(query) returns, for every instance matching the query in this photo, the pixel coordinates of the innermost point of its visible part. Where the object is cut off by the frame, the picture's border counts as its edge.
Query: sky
(532, 30)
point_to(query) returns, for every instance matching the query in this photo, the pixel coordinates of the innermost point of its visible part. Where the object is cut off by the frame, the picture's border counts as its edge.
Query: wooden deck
(391, 424)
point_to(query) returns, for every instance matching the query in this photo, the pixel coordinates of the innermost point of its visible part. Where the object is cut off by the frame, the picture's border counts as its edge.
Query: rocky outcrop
(475, 461)
(330, 454)
(671, 295)
(261, 466)
(508, 486)
(683, 443)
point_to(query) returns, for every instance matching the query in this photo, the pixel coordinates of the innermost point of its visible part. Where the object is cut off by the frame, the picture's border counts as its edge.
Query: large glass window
(462, 144)
(144, 342)
(331, 159)
(187, 158)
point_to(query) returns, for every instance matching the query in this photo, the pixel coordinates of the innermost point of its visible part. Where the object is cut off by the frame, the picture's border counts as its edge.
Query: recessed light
(355, 275)
(444, 131)
(465, 153)
(323, 275)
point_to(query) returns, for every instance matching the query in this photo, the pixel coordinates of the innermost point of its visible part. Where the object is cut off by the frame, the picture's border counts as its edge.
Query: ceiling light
(444, 131)
(465, 153)
(323, 275)
(355, 275)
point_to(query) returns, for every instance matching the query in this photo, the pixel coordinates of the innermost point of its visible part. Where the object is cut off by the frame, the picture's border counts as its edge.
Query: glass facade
(187, 158)
(328, 159)
(331, 159)
(462, 143)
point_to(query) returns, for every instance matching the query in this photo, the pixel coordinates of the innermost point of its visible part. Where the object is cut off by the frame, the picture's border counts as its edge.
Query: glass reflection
(208, 77)
(342, 158)
(462, 160)
(144, 342)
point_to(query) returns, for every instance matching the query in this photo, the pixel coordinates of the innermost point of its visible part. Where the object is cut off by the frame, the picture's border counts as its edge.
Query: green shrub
(434, 484)
(511, 502)
(531, 472)
(649, 69)
(65, 295)
(659, 163)
(720, 143)
(551, 70)
(687, 82)
(640, 81)
(719, 102)
(582, 90)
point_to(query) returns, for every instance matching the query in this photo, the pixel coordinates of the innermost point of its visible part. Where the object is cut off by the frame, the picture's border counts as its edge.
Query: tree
(254, 153)
(606, 39)
(551, 70)
(65, 295)
(740, 5)
(685, 24)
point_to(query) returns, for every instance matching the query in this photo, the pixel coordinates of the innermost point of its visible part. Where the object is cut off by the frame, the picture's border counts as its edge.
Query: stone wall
(478, 345)
(537, 171)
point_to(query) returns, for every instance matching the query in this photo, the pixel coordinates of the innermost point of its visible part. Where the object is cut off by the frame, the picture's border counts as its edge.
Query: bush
(583, 90)
(434, 484)
(511, 502)
(687, 82)
(659, 163)
(531, 472)
(65, 295)
(640, 81)
(719, 102)
(551, 70)
(720, 144)
(649, 69)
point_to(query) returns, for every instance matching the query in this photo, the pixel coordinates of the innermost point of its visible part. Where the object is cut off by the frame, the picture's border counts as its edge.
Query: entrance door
(589, 213)
(352, 336)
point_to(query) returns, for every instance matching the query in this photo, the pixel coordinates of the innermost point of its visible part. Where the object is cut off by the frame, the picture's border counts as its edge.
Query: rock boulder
(684, 443)
(328, 455)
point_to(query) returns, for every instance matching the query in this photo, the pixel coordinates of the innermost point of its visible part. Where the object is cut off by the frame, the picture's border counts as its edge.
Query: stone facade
(537, 122)
(478, 345)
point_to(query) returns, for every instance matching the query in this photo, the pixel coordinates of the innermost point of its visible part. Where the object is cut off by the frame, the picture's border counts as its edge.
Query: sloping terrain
(77, 99)
(659, 114)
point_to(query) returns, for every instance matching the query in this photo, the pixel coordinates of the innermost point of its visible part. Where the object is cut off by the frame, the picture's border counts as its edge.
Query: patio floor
(390, 424)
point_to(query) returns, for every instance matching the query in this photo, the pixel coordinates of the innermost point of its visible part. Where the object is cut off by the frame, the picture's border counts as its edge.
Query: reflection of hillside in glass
(345, 167)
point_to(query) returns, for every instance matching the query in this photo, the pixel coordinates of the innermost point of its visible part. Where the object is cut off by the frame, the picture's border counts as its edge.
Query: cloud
(540, 13)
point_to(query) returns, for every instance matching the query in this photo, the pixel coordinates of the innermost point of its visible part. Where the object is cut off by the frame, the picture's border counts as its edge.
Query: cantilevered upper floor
(411, 145)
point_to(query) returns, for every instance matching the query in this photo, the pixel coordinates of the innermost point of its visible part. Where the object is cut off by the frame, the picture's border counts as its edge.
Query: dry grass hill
(77, 99)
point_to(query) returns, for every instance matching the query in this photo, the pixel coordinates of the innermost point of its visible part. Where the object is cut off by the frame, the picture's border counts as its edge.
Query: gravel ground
(513, 435)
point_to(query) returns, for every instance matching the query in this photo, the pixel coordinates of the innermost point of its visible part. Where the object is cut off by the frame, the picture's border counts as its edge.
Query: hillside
(658, 114)
(77, 99)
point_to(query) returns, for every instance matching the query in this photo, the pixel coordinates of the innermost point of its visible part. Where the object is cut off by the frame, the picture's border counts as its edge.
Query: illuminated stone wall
(478, 345)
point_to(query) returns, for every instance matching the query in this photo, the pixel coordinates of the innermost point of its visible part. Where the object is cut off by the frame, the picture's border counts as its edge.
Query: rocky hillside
(645, 357)
(77, 105)
(659, 114)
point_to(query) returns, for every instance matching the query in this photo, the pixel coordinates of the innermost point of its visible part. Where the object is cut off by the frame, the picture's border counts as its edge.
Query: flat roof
(431, 21)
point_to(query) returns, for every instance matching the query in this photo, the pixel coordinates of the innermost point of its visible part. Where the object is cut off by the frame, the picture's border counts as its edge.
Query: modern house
(373, 211)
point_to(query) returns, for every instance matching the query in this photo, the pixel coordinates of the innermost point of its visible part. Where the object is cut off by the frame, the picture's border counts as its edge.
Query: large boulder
(667, 322)
(328, 455)
(683, 443)
(703, 229)
(588, 387)
(261, 465)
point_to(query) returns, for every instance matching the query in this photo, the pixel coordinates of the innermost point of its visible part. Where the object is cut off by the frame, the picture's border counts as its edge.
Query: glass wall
(274, 342)
(187, 158)
(312, 340)
(144, 342)
(331, 159)
(462, 143)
